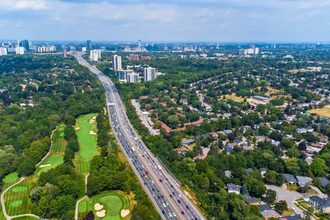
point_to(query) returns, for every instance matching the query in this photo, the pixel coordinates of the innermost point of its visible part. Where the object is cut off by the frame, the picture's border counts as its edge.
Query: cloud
(23, 4)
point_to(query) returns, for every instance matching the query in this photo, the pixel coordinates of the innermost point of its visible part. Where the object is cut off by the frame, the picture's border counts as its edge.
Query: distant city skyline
(166, 20)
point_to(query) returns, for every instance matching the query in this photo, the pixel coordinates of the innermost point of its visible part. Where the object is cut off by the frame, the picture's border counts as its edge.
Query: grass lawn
(113, 203)
(26, 218)
(54, 160)
(87, 143)
(11, 178)
(324, 112)
(234, 97)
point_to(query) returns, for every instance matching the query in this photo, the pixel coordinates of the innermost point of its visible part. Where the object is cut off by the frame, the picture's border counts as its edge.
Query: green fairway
(10, 178)
(19, 189)
(87, 142)
(26, 218)
(16, 203)
(113, 203)
(53, 159)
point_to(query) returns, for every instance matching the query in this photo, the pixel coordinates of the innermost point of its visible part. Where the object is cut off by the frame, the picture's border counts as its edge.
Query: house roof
(233, 187)
(248, 170)
(227, 173)
(184, 142)
(269, 213)
(289, 178)
(304, 180)
(324, 203)
(262, 169)
(251, 200)
(264, 207)
(324, 182)
(295, 217)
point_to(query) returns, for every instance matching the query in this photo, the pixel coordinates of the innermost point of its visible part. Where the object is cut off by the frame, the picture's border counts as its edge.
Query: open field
(297, 70)
(234, 97)
(112, 202)
(87, 143)
(324, 112)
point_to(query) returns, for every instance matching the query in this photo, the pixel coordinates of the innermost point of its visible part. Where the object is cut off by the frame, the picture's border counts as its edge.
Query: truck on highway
(133, 149)
(159, 167)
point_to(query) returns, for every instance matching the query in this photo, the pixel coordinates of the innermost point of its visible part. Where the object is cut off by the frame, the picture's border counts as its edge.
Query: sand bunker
(98, 206)
(46, 165)
(77, 128)
(94, 117)
(92, 133)
(124, 213)
(100, 213)
(91, 121)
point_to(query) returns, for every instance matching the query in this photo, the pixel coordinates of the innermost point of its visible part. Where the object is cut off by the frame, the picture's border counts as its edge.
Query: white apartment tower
(116, 62)
(95, 55)
(3, 51)
(149, 74)
(19, 50)
(132, 77)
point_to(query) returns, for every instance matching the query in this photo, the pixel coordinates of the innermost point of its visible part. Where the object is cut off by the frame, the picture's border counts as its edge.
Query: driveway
(288, 196)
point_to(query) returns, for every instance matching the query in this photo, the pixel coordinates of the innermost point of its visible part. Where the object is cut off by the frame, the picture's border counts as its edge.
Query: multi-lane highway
(166, 196)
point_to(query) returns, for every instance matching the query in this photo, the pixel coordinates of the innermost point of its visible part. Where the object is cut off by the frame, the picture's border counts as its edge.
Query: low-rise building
(320, 204)
(232, 188)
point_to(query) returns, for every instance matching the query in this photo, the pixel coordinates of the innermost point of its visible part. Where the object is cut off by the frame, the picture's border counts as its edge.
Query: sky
(167, 20)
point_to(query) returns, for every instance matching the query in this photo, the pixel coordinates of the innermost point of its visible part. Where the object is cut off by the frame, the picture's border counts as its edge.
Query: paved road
(77, 204)
(165, 195)
(288, 196)
(50, 149)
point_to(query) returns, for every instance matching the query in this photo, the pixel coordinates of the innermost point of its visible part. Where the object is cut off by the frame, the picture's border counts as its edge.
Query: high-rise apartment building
(19, 50)
(122, 74)
(89, 45)
(95, 55)
(24, 43)
(132, 77)
(64, 54)
(149, 74)
(254, 51)
(139, 43)
(116, 62)
(3, 51)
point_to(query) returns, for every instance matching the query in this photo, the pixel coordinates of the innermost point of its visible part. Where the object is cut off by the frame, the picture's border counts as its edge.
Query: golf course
(86, 132)
(109, 205)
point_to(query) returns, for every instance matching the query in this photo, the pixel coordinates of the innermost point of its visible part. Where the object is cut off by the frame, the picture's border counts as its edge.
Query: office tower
(19, 50)
(134, 57)
(3, 51)
(132, 77)
(149, 74)
(116, 62)
(64, 54)
(24, 43)
(139, 43)
(122, 74)
(95, 55)
(89, 45)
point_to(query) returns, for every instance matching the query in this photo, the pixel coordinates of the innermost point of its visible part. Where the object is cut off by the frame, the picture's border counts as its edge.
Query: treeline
(56, 193)
(72, 145)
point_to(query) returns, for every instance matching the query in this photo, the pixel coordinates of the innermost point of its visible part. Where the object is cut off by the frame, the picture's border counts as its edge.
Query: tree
(173, 121)
(26, 168)
(282, 206)
(286, 143)
(90, 215)
(157, 125)
(270, 177)
(271, 195)
(319, 167)
(206, 183)
(280, 179)
(302, 146)
(264, 130)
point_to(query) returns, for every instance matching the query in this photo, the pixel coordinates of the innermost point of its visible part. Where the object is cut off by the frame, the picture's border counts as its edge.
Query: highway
(166, 196)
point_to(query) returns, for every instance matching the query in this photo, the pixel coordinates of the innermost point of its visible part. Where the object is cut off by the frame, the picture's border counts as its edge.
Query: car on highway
(174, 214)
(160, 180)
(179, 201)
(182, 212)
(187, 207)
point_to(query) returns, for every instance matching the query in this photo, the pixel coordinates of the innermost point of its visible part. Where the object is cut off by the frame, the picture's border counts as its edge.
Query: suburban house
(228, 148)
(264, 207)
(262, 171)
(269, 214)
(304, 180)
(232, 188)
(248, 170)
(227, 173)
(186, 142)
(324, 182)
(319, 203)
(251, 201)
(289, 178)
(256, 100)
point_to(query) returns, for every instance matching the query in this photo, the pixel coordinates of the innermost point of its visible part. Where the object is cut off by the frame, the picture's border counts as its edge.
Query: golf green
(10, 178)
(54, 160)
(61, 134)
(16, 203)
(19, 189)
(87, 142)
(112, 203)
